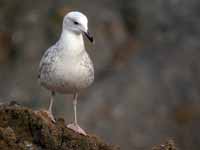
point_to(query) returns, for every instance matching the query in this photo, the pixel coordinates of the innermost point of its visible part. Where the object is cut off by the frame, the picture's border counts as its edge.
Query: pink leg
(74, 126)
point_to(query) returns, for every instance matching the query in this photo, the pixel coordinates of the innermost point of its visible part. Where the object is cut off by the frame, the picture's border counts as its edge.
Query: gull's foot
(76, 128)
(50, 115)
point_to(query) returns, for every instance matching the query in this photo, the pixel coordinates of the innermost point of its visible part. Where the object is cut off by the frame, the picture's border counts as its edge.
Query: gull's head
(77, 22)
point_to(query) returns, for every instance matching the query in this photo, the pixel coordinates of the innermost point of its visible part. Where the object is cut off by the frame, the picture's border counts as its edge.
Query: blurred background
(147, 64)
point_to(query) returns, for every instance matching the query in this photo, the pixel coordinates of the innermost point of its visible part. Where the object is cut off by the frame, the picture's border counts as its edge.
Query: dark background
(147, 65)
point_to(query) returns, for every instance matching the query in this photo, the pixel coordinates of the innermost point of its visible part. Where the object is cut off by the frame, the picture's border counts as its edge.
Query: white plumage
(66, 67)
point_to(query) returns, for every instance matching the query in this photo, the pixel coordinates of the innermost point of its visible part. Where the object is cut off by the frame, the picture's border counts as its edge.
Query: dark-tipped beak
(90, 38)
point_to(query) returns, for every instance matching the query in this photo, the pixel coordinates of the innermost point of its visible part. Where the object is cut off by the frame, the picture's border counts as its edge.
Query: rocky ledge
(24, 129)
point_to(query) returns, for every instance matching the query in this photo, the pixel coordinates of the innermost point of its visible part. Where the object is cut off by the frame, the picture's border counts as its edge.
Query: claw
(50, 116)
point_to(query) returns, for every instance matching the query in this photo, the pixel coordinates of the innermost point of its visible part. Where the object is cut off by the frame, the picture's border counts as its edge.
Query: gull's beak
(90, 38)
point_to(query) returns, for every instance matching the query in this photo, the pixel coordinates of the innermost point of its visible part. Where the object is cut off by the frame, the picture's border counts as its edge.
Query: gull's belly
(69, 77)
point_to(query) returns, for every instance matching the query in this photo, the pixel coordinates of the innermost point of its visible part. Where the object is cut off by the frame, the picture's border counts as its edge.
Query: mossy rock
(24, 129)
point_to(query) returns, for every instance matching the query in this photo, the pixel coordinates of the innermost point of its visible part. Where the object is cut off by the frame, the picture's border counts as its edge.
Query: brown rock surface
(169, 145)
(24, 129)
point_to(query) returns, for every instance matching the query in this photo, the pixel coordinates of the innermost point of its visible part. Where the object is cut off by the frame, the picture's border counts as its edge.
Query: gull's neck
(71, 41)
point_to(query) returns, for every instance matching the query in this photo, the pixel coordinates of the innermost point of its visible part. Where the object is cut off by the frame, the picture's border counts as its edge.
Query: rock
(169, 145)
(24, 129)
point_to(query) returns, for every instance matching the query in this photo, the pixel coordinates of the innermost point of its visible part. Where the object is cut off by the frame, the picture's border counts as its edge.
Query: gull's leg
(51, 102)
(49, 112)
(74, 126)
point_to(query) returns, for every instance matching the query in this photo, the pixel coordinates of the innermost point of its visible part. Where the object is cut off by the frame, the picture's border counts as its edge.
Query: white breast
(69, 69)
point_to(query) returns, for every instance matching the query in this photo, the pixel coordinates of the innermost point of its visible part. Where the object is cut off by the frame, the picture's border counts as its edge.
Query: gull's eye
(76, 23)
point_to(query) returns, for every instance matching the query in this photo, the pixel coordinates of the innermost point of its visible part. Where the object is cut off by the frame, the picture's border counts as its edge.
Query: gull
(66, 67)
